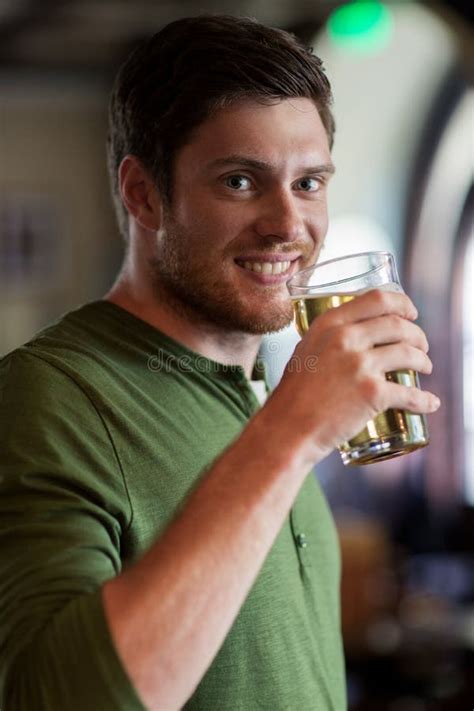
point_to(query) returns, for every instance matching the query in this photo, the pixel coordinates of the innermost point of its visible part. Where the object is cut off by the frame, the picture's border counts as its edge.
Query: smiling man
(163, 545)
(248, 209)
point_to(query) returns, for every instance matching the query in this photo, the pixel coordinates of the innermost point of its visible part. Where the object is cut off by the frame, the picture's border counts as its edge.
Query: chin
(261, 324)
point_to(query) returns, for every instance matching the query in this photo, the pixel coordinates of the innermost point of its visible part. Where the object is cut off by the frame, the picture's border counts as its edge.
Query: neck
(134, 293)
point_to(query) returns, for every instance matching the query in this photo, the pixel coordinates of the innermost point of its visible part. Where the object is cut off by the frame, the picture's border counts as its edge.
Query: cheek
(222, 226)
(214, 218)
(320, 223)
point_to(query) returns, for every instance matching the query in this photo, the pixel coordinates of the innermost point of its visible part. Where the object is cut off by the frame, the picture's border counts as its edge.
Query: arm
(63, 511)
(166, 648)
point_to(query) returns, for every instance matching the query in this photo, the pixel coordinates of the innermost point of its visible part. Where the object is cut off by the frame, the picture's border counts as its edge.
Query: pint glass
(328, 285)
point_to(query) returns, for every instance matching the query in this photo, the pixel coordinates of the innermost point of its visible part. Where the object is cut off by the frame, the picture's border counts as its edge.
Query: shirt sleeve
(63, 508)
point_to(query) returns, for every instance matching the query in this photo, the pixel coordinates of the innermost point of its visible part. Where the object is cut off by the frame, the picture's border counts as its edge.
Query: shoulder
(44, 384)
(53, 434)
(75, 352)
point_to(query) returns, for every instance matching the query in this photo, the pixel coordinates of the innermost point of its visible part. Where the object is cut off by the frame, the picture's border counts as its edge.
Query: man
(163, 545)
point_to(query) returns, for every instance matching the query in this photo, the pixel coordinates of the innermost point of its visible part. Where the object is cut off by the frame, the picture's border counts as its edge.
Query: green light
(362, 26)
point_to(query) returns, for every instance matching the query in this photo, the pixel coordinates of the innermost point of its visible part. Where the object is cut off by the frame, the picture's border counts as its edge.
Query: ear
(139, 193)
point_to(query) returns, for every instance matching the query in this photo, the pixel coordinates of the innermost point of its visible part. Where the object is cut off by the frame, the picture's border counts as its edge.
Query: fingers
(386, 329)
(409, 398)
(401, 356)
(367, 321)
(369, 305)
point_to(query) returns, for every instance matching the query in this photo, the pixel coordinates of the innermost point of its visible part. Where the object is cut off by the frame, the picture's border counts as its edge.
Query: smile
(266, 267)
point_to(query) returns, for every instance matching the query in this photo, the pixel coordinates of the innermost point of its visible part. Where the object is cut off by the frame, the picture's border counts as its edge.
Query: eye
(238, 182)
(308, 185)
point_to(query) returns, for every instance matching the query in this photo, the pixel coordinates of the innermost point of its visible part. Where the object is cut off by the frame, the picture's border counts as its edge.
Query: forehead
(285, 132)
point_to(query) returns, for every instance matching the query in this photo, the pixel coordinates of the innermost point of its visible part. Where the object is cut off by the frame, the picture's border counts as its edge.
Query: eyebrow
(247, 162)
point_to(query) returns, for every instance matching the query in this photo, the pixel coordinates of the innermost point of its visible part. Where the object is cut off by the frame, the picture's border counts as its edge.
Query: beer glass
(328, 285)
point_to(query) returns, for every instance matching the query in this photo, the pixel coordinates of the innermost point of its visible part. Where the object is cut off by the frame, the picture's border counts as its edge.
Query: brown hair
(172, 82)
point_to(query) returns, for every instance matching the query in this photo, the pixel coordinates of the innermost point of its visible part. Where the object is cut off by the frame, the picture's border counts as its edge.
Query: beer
(390, 433)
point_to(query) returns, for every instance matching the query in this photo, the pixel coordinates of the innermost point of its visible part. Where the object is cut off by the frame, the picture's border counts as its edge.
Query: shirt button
(301, 540)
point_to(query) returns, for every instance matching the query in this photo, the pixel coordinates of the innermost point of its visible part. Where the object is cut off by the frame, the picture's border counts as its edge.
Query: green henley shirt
(105, 426)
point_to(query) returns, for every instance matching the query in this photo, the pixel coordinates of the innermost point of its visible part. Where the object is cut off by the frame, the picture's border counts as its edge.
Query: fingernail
(437, 402)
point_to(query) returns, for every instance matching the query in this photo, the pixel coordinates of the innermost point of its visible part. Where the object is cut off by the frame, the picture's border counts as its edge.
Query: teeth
(267, 267)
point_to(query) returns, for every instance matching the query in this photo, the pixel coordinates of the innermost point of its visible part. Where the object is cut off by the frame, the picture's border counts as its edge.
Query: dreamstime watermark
(164, 362)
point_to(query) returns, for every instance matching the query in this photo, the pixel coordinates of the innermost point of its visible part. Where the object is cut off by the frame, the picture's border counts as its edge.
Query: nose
(279, 216)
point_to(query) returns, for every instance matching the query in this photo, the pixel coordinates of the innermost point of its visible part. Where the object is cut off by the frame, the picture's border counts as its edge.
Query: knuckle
(420, 331)
(397, 324)
(413, 400)
(357, 361)
(343, 338)
(407, 353)
(330, 317)
(425, 364)
(371, 391)
(420, 336)
(382, 298)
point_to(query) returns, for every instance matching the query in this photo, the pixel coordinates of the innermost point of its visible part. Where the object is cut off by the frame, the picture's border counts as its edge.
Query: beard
(208, 291)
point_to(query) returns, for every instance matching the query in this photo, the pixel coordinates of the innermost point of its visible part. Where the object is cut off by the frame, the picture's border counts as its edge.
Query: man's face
(249, 209)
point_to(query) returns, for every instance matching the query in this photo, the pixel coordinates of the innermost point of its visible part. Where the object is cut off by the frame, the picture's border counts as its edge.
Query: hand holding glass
(331, 284)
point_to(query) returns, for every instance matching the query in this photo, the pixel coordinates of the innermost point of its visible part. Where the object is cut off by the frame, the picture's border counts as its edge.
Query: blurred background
(402, 79)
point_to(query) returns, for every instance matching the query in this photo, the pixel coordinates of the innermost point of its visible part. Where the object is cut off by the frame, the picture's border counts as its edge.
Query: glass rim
(385, 253)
